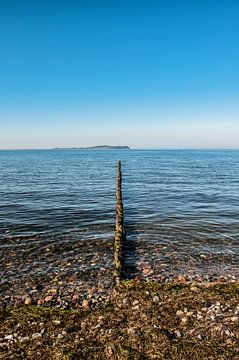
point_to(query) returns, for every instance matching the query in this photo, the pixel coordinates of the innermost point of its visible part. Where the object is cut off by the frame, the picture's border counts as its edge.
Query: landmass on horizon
(98, 147)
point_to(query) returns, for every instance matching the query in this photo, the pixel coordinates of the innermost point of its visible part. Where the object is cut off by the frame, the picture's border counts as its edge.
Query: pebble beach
(65, 273)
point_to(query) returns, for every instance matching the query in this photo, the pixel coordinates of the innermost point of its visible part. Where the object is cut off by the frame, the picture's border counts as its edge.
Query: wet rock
(181, 278)
(40, 302)
(85, 304)
(147, 270)
(75, 298)
(28, 300)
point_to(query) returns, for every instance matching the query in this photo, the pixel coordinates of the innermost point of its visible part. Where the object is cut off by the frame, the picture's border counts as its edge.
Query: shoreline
(62, 272)
(63, 304)
(94, 296)
(139, 321)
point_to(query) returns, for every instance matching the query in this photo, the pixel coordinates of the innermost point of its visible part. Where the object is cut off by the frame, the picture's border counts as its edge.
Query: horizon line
(130, 148)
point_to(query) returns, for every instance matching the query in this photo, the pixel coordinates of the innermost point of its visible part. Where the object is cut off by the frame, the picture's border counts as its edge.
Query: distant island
(99, 147)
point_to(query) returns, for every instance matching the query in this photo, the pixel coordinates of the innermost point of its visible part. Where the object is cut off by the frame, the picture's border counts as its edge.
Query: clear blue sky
(162, 74)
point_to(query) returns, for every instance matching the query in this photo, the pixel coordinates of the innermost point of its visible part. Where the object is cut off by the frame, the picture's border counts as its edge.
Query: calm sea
(189, 199)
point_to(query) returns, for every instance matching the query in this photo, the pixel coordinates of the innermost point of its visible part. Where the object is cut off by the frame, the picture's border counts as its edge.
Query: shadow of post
(131, 257)
(131, 269)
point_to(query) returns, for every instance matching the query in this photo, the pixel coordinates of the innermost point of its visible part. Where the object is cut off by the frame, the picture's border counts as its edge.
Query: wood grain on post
(119, 239)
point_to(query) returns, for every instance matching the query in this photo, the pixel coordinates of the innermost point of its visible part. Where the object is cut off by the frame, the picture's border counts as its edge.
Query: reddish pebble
(40, 302)
(28, 300)
(182, 278)
(48, 298)
(85, 304)
(75, 298)
(147, 270)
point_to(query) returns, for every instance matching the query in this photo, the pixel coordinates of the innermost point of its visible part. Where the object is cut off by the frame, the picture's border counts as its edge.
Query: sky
(147, 74)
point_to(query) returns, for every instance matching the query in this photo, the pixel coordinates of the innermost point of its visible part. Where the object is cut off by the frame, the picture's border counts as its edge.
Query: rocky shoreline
(58, 301)
(70, 274)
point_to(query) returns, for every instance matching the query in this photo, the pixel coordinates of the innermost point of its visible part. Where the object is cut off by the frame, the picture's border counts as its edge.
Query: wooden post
(119, 240)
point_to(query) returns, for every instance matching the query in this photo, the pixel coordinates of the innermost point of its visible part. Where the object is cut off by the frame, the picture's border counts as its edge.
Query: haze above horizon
(152, 75)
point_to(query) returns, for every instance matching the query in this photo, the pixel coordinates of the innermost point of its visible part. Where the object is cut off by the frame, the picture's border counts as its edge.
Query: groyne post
(119, 239)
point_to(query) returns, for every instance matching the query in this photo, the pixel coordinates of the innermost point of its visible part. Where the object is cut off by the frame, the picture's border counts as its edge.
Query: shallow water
(185, 202)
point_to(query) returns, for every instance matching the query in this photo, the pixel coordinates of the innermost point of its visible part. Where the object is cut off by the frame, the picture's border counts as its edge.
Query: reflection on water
(187, 202)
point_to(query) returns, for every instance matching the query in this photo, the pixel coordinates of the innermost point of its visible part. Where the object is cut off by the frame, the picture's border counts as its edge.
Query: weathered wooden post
(119, 240)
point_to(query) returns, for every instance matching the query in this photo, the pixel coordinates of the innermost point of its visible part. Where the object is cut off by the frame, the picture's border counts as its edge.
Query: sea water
(186, 198)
